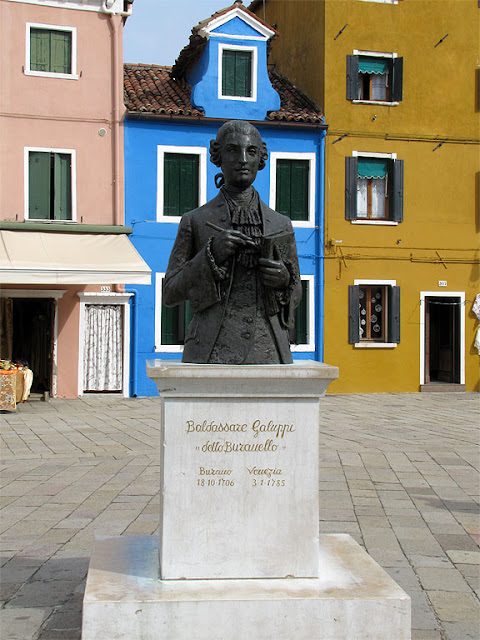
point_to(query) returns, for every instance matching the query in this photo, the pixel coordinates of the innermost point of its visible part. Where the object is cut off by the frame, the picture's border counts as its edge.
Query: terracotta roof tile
(153, 89)
(149, 88)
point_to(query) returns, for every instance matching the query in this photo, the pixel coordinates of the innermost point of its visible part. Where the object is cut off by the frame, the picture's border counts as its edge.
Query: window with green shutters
(49, 185)
(181, 191)
(373, 313)
(374, 189)
(374, 78)
(292, 188)
(175, 321)
(50, 51)
(237, 73)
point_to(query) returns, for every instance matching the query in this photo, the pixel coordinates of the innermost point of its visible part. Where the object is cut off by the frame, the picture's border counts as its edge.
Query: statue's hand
(274, 273)
(226, 243)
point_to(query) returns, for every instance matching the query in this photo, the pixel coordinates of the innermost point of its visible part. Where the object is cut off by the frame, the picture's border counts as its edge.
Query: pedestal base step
(353, 599)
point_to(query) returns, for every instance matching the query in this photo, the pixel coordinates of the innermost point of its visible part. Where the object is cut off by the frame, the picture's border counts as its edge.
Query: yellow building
(398, 81)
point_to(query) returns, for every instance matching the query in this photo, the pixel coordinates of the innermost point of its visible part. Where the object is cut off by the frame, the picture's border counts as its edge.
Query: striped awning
(372, 65)
(372, 168)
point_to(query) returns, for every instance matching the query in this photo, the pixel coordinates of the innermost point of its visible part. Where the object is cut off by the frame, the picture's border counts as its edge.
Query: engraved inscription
(250, 441)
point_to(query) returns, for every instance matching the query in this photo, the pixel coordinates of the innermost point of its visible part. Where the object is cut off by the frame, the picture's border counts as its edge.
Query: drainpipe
(133, 341)
(319, 251)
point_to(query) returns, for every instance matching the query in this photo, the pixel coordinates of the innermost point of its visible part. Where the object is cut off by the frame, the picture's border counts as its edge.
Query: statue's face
(240, 159)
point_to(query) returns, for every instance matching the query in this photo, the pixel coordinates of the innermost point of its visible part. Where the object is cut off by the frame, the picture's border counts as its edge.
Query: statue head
(240, 152)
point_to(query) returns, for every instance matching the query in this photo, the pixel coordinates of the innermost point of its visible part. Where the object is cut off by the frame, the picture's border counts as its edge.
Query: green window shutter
(61, 52)
(394, 314)
(292, 188)
(39, 50)
(62, 172)
(352, 77)
(169, 325)
(299, 190)
(353, 314)
(236, 73)
(228, 73)
(175, 321)
(397, 80)
(39, 185)
(351, 172)
(282, 201)
(395, 190)
(243, 73)
(300, 329)
(180, 183)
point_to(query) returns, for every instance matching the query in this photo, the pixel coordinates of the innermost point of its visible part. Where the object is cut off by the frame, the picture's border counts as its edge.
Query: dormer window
(237, 73)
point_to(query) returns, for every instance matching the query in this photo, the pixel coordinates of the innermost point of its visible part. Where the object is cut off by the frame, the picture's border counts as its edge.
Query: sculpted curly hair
(240, 126)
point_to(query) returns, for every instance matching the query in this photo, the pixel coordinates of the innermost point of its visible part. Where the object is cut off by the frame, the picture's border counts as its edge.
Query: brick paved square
(406, 488)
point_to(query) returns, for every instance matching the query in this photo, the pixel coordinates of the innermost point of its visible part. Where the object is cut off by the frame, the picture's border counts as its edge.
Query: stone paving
(399, 472)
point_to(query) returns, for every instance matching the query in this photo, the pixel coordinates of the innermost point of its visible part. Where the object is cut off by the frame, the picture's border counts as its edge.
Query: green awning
(372, 65)
(372, 168)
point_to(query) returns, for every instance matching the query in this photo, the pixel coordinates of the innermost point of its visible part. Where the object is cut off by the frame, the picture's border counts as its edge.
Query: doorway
(443, 341)
(32, 339)
(103, 349)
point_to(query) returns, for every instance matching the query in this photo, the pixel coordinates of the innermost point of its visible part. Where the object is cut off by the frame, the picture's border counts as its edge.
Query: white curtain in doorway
(103, 348)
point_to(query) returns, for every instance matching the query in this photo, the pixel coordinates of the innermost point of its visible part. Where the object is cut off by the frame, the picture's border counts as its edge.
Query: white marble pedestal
(353, 599)
(239, 556)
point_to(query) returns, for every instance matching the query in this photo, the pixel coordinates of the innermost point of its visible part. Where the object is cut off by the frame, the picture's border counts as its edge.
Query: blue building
(172, 114)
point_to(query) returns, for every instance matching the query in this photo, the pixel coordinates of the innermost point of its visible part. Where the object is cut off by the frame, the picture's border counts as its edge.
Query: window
(175, 321)
(171, 323)
(49, 184)
(374, 188)
(181, 181)
(374, 313)
(51, 51)
(374, 78)
(237, 72)
(292, 186)
(302, 334)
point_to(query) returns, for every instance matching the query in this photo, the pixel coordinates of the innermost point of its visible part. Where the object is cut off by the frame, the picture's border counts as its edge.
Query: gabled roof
(198, 40)
(152, 90)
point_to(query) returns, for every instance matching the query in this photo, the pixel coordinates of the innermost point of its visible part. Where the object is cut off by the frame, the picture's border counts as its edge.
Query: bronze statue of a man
(235, 260)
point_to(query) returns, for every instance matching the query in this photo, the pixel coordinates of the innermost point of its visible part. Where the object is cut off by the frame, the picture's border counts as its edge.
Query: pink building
(64, 249)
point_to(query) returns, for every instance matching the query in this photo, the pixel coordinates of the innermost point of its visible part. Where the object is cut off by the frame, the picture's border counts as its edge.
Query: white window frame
(310, 344)
(202, 177)
(73, 155)
(365, 344)
(287, 155)
(442, 294)
(159, 347)
(238, 47)
(122, 299)
(48, 74)
(386, 156)
(375, 54)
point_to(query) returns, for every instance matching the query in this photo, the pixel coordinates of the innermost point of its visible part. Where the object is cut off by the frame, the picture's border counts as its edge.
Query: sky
(158, 30)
